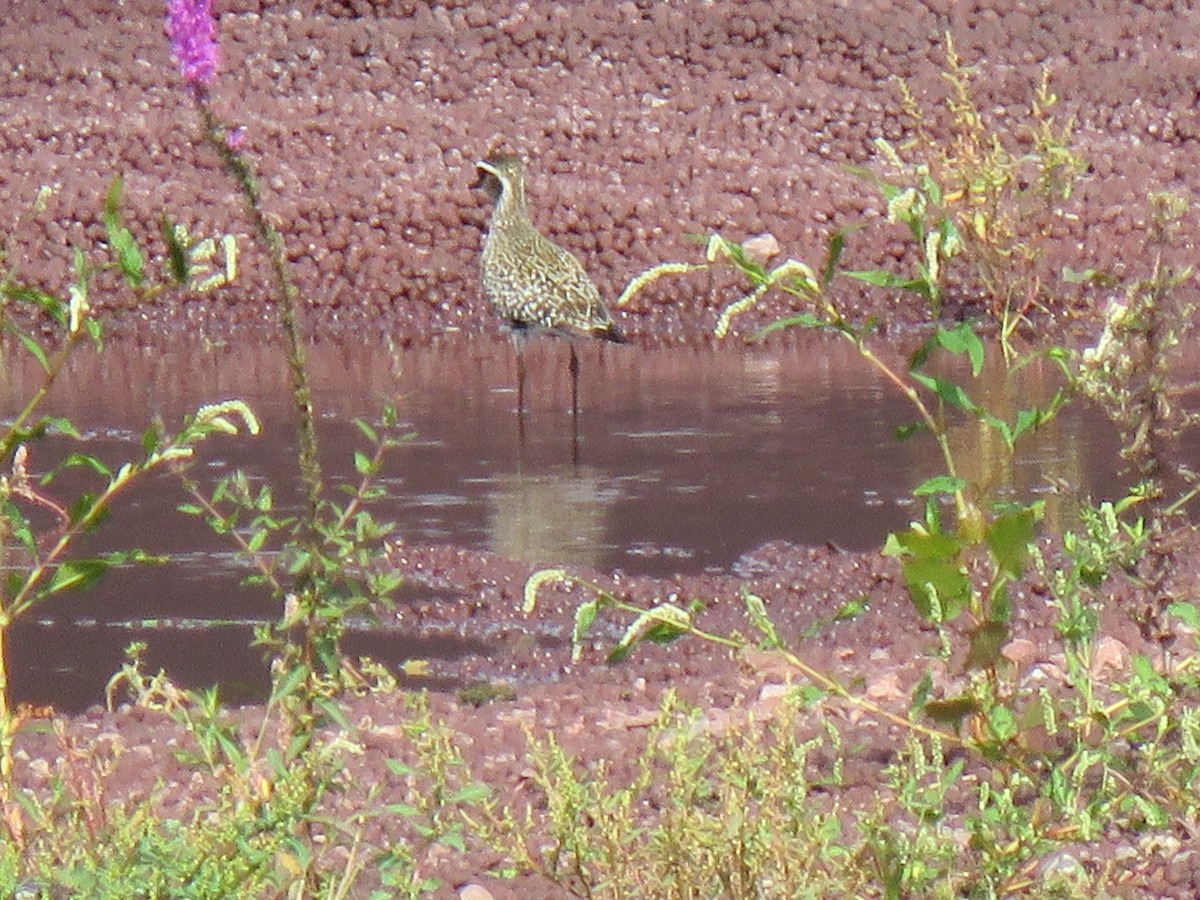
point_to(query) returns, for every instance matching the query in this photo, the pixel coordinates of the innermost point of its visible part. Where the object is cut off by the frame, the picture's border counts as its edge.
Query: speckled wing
(578, 307)
(543, 286)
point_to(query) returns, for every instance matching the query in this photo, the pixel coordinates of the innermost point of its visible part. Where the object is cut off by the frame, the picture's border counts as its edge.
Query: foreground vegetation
(998, 786)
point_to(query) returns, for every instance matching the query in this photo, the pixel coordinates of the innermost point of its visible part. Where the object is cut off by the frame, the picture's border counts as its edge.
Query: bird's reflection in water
(551, 517)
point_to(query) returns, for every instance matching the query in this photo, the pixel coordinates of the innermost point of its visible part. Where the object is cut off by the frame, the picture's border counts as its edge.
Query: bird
(531, 282)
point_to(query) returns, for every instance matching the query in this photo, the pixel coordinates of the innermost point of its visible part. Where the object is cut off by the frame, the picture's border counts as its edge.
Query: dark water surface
(684, 459)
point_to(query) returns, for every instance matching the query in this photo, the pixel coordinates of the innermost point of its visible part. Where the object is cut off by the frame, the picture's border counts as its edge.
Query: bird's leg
(573, 365)
(519, 343)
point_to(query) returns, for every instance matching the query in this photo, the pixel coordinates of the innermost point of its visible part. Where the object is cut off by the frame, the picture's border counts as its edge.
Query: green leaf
(756, 611)
(882, 278)
(368, 432)
(852, 609)
(585, 615)
(952, 242)
(129, 257)
(999, 426)
(83, 271)
(403, 769)
(363, 464)
(76, 574)
(150, 439)
(1186, 613)
(177, 262)
(804, 320)
(660, 625)
(51, 306)
(962, 340)
(1009, 537)
(17, 524)
(833, 254)
(999, 602)
(920, 695)
(62, 425)
(1088, 276)
(1003, 723)
(1143, 669)
(35, 350)
(939, 486)
(1029, 420)
(986, 641)
(453, 840)
(748, 267)
(473, 793)
(289, 683)
(932, 562)
(951, 711)
(947, 391)
(135, 556)
(334, 712)
(86, 461)
(904, 432)
(85, 507)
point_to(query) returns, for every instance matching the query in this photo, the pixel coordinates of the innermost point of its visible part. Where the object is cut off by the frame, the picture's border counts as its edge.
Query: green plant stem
(906, 388)
(285, 294)
(24, 599)
(260, 561)
(8, 725)
(52, 372)
(819, 678)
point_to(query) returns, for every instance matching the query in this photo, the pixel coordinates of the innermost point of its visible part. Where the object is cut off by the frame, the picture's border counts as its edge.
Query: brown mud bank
(643, 123)
(602, 712)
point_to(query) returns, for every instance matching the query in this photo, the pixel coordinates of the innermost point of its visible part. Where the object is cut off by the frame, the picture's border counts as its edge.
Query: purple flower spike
(192, 30)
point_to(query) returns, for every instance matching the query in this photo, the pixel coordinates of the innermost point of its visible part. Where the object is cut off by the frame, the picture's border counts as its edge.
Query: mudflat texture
(642, 122)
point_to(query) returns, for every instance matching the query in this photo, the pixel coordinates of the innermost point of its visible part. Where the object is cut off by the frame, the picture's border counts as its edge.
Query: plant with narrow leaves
(346, 579)
(39, 528)
(966, 566)
(39, 564)
(987, 195)
(983, 200)
(1132, 372)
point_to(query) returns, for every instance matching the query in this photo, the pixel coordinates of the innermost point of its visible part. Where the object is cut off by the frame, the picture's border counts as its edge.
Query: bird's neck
(510, 206)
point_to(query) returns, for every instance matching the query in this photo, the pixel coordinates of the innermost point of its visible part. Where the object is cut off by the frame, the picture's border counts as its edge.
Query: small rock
(774, 691)
(885, 687)
(474, 892)
(770, 696)
(617, 720)
(768, 663)
(1181, 869)
(1019, 651)
(1061, 868)
(761, 248)
(1110, 654)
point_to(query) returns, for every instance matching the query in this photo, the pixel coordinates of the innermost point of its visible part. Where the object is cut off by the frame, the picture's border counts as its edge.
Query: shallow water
(682, 460)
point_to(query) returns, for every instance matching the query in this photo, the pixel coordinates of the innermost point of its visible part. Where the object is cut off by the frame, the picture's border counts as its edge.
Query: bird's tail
(611, 332)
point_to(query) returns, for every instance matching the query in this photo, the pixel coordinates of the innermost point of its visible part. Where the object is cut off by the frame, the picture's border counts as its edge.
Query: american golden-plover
(531, 282)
